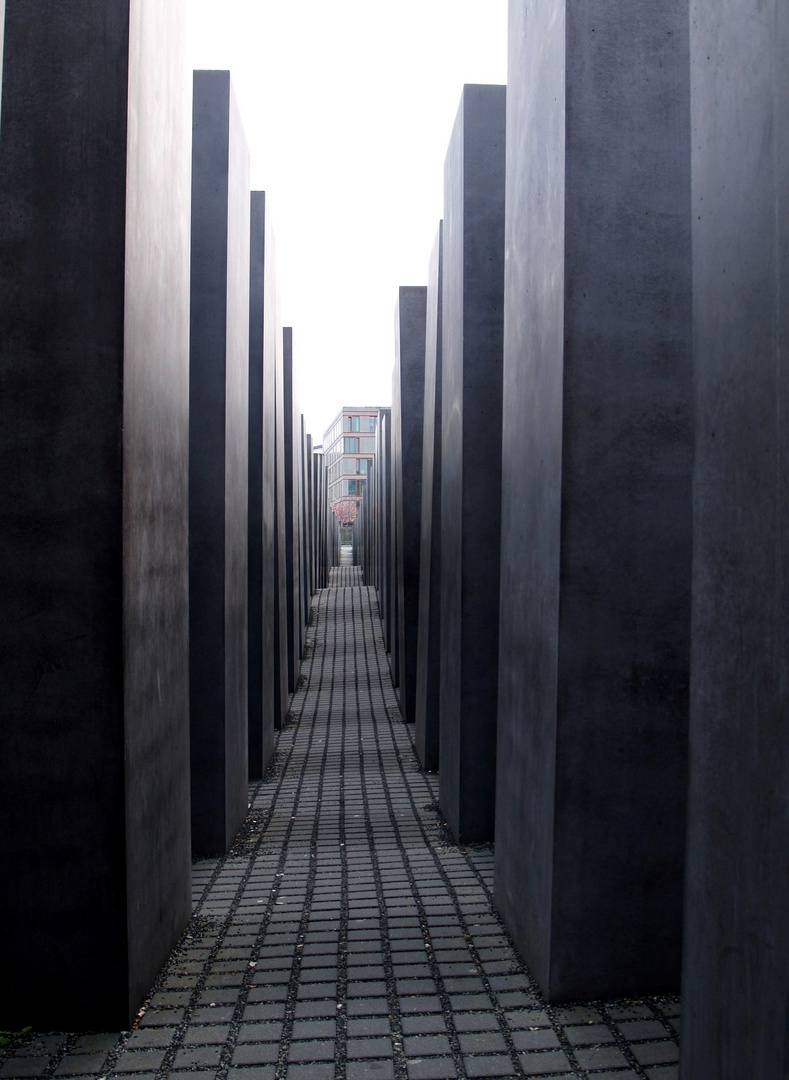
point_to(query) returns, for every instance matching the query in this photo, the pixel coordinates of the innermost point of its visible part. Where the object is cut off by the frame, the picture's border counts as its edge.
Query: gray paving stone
(369, 1070)
(498, 1065)
(431, 1069)
(142, 1061)
(655, 1053)
(641, 1030)
(311, 1050)
(24, 1067)
(539, 1039)
(190, 1057)
(554, 1061)
(258, 1072)
(255, 1053)
(588, 1034)
(480, 1042)
(378, 812)
(422, 1025)
(313, 1071)
(600, 1057)
(426, 1045)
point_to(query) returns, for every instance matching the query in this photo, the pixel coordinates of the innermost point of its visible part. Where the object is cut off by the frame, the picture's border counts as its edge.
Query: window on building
(350, 446)
(355, 487)
(352, 423)
(362, 465)
(372, 423)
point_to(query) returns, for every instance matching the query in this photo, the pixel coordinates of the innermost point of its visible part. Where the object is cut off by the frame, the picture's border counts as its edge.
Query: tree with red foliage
(345, 510)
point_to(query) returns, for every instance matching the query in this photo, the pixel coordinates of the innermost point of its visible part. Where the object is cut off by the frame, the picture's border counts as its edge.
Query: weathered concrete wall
(291, 510)
(218, 459)
(596, 530)
(281, 694)
(473, 286)
(429, 629)
(736, 965)
(264, 345)
(383, 462)
(94, 362)
(408, 404)
(260, 522)
(2, 38)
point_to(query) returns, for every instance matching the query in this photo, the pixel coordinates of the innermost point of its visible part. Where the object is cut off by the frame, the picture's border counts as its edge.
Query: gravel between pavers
(345, 935)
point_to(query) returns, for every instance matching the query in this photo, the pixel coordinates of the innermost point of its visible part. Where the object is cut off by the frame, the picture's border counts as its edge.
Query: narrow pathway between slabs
(345, 936)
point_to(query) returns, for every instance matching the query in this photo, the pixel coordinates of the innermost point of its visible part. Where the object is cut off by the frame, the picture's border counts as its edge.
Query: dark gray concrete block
(2, 37)
(472, 328)
(94, 651)
(408, 405)
(260, 518)
(308, 524)
(394, 578)
(596, 529)
(428, 663)
(320, 512)
(383, 461)
(291, 510)
(218, 464)
(281, 639)
(735, 981)
(304, 492)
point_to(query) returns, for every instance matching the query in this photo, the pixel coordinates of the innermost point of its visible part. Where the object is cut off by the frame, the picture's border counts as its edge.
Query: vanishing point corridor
(345, 935)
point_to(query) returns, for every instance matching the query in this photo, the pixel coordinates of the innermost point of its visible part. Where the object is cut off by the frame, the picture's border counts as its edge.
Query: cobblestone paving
(345, 936)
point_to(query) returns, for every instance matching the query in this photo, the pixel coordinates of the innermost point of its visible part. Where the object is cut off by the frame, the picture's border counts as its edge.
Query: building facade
(349, 451)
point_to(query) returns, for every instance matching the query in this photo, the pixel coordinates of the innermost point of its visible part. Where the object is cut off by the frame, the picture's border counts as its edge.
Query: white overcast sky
(347, 107)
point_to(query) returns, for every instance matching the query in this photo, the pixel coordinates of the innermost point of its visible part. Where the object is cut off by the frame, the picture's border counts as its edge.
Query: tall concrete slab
(394, 577)
(281, 693)
(304, 489)
(218, 464)
(383, 461)
(308, 525)
(408, 405)
(596, 523)
(263, 330)
(472, 329)
(2, 36)
(94, 648)
(320, 513)
(291, 510)
(736, 958)
(428, 663)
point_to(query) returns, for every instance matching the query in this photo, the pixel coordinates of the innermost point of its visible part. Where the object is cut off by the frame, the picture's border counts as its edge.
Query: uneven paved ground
(345, 936)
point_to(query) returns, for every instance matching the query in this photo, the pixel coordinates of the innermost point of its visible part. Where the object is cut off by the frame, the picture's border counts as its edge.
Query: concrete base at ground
(736, 963)
(94, 366)
(596, 497)
(473, 312)
(218, 459)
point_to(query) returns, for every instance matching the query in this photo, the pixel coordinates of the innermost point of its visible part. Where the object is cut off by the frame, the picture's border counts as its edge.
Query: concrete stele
(472, 331)
(94, 362)
(596, 524)
(408, 417)
(426, 718)
(261, 519)
(735, 980)
(218, 464)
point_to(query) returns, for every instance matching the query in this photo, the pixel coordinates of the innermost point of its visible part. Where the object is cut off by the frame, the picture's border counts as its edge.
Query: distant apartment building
(349, 451)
